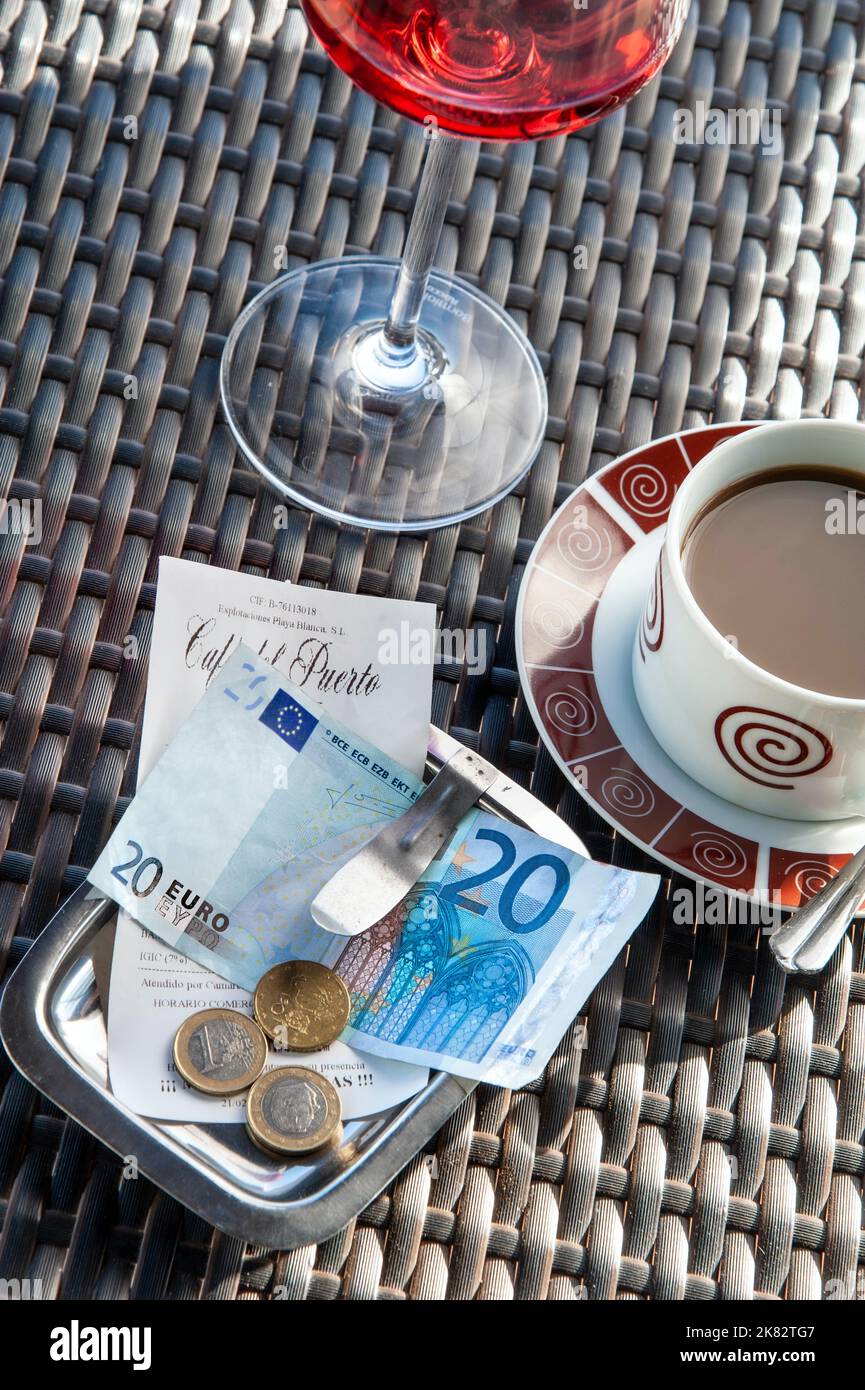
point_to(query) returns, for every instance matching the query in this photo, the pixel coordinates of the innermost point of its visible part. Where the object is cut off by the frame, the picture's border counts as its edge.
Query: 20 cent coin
(301, 1005)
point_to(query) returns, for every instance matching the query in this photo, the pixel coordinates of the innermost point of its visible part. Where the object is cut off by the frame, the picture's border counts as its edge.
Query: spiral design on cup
(652, 622)
(627, 794)
(717, 855)
(571, 712)
(557, 622)
(585, 548)
(646, 491)
(763, 745)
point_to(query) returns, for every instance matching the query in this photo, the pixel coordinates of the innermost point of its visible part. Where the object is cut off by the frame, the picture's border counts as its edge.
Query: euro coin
(293, 1111)
(301, 1005)
(220, 1051)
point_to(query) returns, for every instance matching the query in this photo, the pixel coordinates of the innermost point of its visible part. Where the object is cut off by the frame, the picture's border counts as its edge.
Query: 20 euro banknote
(260, 798)
(255, 776)
(482, 967)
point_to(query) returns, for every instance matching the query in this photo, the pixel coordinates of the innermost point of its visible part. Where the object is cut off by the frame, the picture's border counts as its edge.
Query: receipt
(338, 649)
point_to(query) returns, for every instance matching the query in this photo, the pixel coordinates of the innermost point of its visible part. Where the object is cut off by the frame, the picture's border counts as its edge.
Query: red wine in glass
(388, 394)
(498, 69)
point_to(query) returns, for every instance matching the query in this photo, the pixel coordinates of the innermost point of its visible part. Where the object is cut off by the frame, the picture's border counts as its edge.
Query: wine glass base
(407, 443)
(399, 385)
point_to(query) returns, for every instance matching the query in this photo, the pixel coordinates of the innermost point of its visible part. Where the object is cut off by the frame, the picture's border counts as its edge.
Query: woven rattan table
(151, 158)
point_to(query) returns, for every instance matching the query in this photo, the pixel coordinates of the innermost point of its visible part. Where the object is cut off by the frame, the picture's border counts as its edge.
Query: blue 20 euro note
(483, 966)
(257, 802)
(256, 776)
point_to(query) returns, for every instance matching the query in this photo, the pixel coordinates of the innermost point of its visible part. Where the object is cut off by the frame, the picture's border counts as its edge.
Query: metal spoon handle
(804, 945)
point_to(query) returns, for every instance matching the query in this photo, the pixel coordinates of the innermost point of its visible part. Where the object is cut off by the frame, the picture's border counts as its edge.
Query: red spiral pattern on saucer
(718, 855)
(810, 878)
(646, 490)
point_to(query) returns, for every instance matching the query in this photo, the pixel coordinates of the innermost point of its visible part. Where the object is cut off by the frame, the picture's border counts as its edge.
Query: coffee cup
(751, 736)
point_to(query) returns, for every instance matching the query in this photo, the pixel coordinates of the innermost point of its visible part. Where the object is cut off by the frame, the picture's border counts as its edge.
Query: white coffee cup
(741, 731)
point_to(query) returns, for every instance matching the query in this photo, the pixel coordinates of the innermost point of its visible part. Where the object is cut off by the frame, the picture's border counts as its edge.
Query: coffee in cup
(766, 560)
(748, 663)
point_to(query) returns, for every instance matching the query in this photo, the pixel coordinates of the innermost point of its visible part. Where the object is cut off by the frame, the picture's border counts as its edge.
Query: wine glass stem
(400, 331)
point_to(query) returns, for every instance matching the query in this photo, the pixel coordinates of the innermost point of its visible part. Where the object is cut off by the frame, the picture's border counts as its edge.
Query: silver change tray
(53, 1027)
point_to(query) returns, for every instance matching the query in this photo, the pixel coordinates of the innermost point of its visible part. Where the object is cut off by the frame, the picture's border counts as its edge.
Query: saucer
(579, 606)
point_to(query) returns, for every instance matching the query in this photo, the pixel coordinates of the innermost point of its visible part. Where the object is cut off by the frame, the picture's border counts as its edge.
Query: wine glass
(385, 393)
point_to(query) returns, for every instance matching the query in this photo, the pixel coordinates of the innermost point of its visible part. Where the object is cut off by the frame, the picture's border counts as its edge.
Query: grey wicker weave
(151, 159)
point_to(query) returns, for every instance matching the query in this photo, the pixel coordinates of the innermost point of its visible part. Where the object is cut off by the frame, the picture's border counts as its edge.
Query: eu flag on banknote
(478, 971)
(289, 719)
(208, 858)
